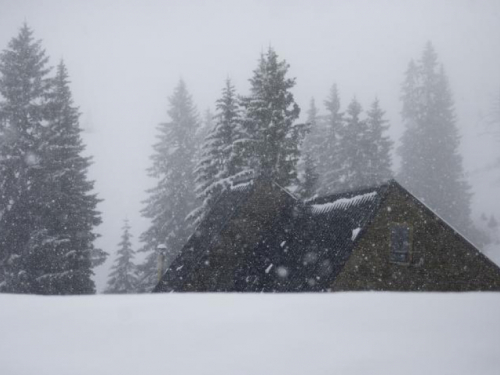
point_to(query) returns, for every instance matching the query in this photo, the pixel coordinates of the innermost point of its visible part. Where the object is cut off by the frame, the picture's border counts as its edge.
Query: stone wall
(440, 259)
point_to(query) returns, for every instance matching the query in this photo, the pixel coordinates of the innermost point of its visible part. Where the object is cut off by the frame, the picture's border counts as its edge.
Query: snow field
(340, 333)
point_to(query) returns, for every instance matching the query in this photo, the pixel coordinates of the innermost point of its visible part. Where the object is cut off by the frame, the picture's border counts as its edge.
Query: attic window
(400, 244)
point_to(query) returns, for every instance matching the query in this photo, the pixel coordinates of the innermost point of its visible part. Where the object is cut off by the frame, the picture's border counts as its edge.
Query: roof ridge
(445, 222)
(286, 191)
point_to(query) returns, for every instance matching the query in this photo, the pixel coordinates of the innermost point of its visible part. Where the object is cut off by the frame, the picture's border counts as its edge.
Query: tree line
(258, 134)
(48, 211)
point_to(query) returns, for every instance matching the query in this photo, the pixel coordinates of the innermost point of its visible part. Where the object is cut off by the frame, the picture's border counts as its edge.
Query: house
(260, 238)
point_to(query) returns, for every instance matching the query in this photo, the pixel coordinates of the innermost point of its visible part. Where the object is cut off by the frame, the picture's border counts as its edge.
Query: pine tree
(173, 198)
(310, 179)
(315, 135)
(123, 276)
(379, 146)
(24, 84)
(312, 114)
(70, 213)
(272, 146)
(46, 235)
(431, 166)
(219, 163)
(202, 132)
(353, 150)
(330, 167)
(310, 149)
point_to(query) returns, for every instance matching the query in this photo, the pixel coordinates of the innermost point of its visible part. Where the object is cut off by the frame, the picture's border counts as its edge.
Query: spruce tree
(272, 143)
(202, 132)
(379, 146)
(123, 276)
(173, 197)
(353, 150)
(310, 178)
(312, 114)
(70, 212)
(309, 153)
(219, 163)
(314, 137)
(331, 165)
(24, 85)
(48, 211)
(431, 166)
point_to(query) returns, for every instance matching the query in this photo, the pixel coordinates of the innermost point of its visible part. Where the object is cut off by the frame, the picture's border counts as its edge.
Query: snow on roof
(342, 203)
(242, 186)
(355, 233)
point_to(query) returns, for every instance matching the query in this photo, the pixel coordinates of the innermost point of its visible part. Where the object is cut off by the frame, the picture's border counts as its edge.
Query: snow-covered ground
(351, 333)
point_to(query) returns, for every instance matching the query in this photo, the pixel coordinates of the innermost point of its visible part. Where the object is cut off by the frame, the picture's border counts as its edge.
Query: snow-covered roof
(343, 203)
(336, 220)
(242, 186)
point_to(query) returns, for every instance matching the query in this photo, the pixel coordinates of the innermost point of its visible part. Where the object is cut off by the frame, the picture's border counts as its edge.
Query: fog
(125, 57)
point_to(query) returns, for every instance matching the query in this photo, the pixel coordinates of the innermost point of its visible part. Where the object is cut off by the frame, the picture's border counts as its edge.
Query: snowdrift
(351, 333)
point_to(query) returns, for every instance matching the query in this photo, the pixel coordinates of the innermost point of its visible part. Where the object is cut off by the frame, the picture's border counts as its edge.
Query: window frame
(392, 259)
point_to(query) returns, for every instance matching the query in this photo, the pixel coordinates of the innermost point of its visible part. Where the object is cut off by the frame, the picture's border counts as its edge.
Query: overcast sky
(125, 58)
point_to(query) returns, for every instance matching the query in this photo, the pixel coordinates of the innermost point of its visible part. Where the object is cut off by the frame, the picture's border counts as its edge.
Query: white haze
(125, 58)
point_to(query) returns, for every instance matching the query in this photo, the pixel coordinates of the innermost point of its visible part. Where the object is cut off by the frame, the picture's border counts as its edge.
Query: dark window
(400, 244)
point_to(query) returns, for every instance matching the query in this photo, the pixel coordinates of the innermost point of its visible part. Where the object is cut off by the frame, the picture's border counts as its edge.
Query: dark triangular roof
(204, 235)
(304, 247)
